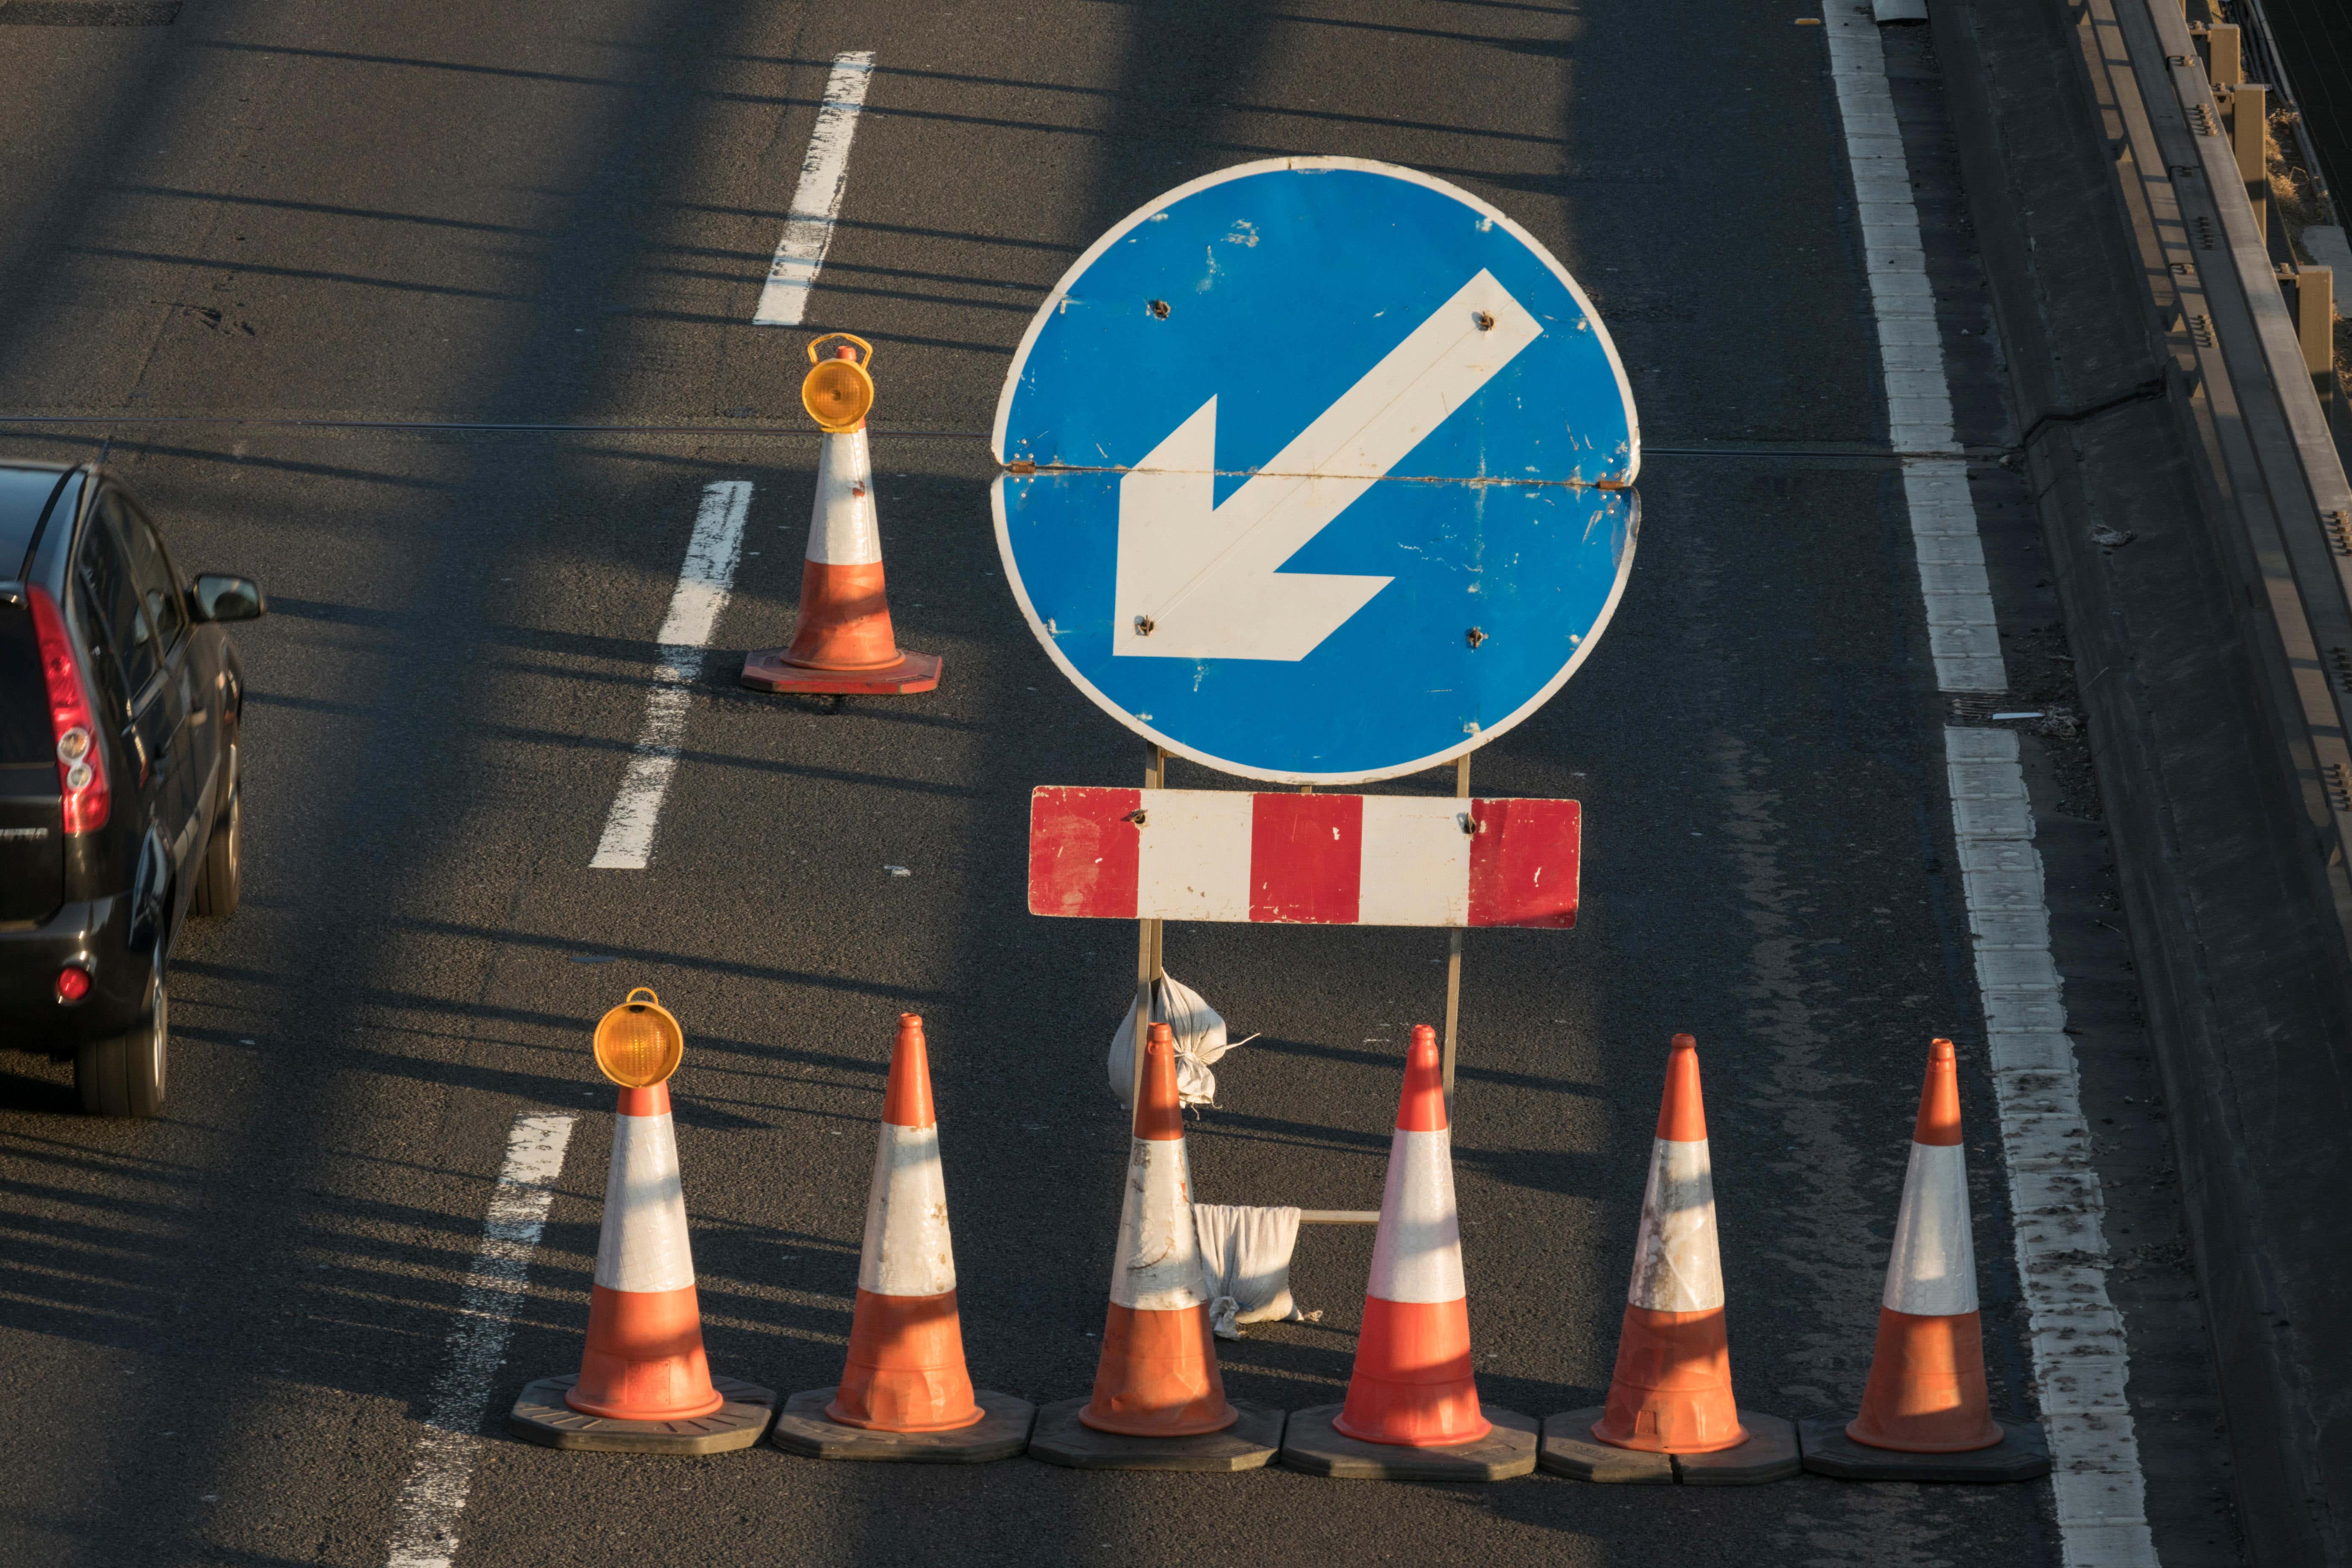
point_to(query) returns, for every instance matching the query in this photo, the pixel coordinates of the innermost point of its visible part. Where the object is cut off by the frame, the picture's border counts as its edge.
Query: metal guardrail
(2245, 358)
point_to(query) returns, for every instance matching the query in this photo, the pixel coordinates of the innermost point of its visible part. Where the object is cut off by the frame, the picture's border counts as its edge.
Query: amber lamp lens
(638, 1043)
(837, 394)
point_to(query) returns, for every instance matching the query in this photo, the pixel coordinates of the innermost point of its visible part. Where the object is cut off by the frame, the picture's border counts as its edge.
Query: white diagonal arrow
(1207, 579)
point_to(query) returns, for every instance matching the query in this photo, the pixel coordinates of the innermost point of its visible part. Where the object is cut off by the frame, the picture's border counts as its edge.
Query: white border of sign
(1160, 203)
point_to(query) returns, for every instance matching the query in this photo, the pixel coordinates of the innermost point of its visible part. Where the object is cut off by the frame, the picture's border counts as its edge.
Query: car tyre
(221, 880)
(124, 1076)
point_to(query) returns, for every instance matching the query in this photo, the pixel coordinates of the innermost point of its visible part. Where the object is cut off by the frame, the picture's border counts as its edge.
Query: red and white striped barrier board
(1314, 860)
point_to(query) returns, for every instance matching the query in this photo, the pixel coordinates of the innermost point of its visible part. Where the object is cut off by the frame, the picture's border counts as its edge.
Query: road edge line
(2057, 1209)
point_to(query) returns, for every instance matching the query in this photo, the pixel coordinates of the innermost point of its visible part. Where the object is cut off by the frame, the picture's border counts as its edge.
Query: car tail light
(81, 766)
(73, 982)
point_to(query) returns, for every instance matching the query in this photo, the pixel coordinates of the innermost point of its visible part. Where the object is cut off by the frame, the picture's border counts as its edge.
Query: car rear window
(24, 696)
(24, 494)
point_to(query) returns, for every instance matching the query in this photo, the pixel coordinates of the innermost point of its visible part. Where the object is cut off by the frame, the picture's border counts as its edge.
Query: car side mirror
(218, 597)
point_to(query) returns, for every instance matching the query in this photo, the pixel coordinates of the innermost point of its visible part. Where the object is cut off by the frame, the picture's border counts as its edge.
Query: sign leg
(1148, 967)
(1454, 957)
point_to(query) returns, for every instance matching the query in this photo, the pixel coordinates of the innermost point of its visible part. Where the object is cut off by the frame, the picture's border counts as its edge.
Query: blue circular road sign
(1318, 470)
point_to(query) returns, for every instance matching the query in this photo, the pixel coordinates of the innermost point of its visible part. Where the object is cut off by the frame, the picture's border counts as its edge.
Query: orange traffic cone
(1927, 1415)
(1158, 1375)
(842, 642)
(1411, 1384)
(1926, 1391)
(903, 1392)
(644, 1384)
(905, 1370)
(645, 1360)
(1413, 1410)
(1672, 1390)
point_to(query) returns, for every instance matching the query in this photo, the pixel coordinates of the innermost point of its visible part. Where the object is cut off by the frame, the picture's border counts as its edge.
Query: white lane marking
(1960, 634)
(703, 583)
(816, 204)
(425, 1517)
(2080, 1361)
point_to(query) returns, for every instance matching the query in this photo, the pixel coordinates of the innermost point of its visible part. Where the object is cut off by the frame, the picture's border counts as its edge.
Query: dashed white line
(2080, 1360)
(704, 582)
(424, 1516)
(816, 204)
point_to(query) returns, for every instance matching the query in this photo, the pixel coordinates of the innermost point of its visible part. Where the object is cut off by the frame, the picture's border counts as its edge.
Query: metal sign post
(1454, 957)
(1149, 964)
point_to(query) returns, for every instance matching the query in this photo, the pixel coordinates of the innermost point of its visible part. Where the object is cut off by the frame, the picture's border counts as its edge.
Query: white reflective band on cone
(643, 1245)
(1933, 1273)
(1418, 1254)
(1675, 1268)
(1157, 1266)
(844, 532)
(909, 1204)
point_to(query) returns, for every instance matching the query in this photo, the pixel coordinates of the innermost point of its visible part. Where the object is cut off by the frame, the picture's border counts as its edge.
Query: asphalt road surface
(422, 221)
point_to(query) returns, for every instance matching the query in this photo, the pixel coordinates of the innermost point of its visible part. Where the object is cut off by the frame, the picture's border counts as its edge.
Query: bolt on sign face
(1318, 471)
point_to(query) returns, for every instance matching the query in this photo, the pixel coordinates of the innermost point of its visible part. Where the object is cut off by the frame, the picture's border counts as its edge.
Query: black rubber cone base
(1312, 1444)
(1061, 1438)
(1768, 1455)
(1570, 1448)
(540, 1416)
(2022, 1455)
(1002, 1431)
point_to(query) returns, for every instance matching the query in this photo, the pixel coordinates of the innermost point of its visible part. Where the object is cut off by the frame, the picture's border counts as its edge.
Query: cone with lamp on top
(1671, 1415)
(903, 1392)
(644, 1385)
(1412, 1411)
(1157, 1403)
(842, 644)
(1926, 1413)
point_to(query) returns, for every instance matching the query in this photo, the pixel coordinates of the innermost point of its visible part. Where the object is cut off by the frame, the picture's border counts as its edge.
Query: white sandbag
(1245, 1262)
(1200, 1034)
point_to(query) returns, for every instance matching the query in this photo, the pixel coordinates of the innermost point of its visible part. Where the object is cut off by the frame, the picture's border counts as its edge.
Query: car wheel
(124, 1076)
(222, 878)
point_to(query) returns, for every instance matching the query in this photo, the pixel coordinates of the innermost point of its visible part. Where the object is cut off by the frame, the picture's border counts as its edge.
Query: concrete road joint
(2077, 1340)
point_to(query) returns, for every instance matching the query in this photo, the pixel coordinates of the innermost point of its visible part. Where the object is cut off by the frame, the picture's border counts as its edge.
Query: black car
(120, 705)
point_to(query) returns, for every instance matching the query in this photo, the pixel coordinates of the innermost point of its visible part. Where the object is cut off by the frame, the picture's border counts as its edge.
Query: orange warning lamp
(838, 391)
(638, 1044)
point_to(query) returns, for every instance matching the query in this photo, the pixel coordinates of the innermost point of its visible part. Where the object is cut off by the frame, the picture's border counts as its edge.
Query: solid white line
(2080, 1364)
(1960, 636)
(816, 204)
(425, 1517)
(703, 583)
